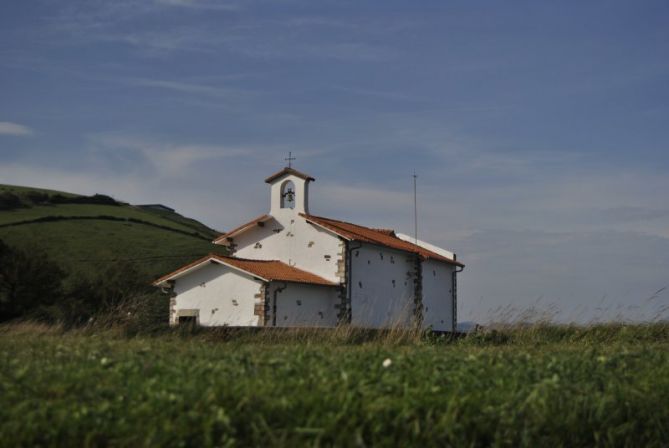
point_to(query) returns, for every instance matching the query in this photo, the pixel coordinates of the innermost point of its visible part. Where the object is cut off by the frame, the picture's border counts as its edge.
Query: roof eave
(198, 263)
(324, 283)
(446, 260)
(324, 227)
(287, 172)
(243, 228)
(182, 270)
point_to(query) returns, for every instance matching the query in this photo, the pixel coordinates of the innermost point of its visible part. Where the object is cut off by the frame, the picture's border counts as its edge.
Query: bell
(289, 195)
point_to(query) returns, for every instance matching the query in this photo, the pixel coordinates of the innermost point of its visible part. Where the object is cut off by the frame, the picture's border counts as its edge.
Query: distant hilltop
(85, 233)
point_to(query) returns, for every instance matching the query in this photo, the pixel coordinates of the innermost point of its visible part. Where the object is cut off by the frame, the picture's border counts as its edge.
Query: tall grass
(514, 335)
(539, 385)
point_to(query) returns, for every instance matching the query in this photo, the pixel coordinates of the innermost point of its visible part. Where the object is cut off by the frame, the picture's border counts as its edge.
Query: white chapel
(289, 268)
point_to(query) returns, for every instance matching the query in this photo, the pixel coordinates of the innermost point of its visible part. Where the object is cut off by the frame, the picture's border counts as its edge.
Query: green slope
(87, 238)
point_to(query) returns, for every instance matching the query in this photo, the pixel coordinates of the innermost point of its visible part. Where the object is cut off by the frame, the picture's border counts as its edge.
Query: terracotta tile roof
(287, 171)
(382, 237)
(231, 233)
(389, 232)
(268, 270)
(276, 270)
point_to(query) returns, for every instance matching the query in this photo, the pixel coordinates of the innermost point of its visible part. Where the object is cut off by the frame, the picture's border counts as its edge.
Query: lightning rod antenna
(415, 209)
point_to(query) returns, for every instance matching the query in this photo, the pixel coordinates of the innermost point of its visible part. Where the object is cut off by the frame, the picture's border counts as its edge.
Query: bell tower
(289, 191)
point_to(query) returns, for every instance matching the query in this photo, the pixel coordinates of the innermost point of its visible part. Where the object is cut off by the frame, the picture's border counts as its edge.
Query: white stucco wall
(375, 301)
(296, 243)
(288, 237)
(437, 295)
(222, 295)
(300, 305)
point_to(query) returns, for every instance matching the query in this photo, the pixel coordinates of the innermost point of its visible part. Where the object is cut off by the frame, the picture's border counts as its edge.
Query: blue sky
(538, 129)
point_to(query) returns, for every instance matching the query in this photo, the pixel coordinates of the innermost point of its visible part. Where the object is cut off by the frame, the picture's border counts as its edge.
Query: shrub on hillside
(29, 283)
(37, 197)
(10, 201)
(99, 199)
(118, 295)
(32, 287)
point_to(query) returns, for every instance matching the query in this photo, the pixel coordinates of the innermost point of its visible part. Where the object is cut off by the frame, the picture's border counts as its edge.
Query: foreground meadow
(543, 386)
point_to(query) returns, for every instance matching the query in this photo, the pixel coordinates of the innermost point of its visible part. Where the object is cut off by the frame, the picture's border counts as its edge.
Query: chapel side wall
(375, 301)
(438, 295)
(291, 239)
(301, 305)
(221, 295)
(246, 244)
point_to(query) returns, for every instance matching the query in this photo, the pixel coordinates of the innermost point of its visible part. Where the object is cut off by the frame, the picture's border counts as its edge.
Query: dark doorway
(188, 321)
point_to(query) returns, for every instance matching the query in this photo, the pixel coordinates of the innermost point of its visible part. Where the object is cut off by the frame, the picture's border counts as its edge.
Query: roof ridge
(306, 215)
(271, 270)
(241, 227)
(289, 170)
(389, 232)
(376, 229)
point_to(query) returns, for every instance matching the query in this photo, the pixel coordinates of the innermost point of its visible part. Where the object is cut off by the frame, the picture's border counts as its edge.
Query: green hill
(85, 234)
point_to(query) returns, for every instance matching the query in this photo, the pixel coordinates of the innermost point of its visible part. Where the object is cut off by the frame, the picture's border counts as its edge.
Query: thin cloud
(630, 213)
(185, 87)
(123, 22)
(100, 21)
(14, 129)
(160, 42)
(385, 95)
(226, 5)
(167, 159)
(252, 45)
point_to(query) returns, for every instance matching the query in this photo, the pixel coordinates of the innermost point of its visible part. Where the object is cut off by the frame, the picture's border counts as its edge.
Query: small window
(392, 259)
(381, 255)
(393, 283)
(434, 273)
(360, 285)
(235, 302)
(369, 261)
(320, 314)
(327, 257)
(299, 302)
(257, 246)
(357, 252)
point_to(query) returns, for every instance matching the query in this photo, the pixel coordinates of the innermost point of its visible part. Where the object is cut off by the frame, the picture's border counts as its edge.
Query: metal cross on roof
(290, 159)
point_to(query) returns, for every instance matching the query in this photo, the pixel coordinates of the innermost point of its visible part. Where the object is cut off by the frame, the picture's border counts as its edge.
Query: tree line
(13, 201)
(34, 287)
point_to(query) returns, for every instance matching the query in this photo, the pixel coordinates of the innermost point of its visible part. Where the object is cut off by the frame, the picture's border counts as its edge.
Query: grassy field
(86, 238)
(535, 386)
